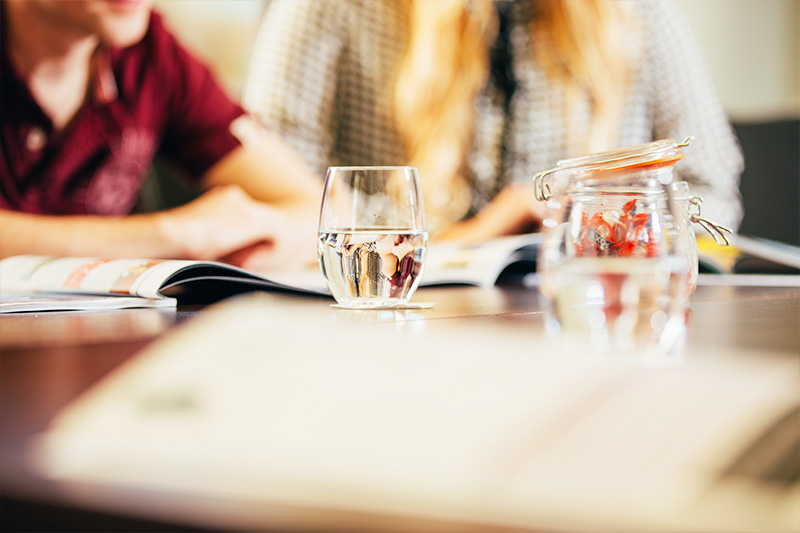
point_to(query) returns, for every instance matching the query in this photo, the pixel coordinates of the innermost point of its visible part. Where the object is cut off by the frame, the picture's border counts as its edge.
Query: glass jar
(683, 202)
(687, 211)
(616, 267)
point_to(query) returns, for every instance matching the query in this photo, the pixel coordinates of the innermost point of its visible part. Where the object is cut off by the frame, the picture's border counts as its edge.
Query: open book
(748, 255)
(483, 264)
(37, 283)
(34, 283)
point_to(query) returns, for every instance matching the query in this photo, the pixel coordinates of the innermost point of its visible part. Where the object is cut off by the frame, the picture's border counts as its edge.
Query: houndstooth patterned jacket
(322, 70)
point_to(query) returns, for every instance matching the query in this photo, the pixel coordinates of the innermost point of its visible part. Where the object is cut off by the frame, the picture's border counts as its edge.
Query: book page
(446, 263)
(470, 422)
(748, 255)
(29, 274)
(474, 264)
(766, 256)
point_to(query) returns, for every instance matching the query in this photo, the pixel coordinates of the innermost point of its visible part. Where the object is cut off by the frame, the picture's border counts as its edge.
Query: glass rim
(382, 228)
(373, 167)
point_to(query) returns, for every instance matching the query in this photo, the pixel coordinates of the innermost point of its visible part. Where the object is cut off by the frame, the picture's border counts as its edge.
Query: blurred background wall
(221, 32)
(752, 48)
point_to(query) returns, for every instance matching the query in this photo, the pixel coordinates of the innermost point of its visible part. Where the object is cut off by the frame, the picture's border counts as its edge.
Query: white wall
(219, 31)
(753, 51)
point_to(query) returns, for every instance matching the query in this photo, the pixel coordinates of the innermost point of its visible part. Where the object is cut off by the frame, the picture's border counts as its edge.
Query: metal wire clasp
(716, 230)
(541, 189)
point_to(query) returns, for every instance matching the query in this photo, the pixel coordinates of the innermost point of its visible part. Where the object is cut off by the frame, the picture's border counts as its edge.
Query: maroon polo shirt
(151, 98)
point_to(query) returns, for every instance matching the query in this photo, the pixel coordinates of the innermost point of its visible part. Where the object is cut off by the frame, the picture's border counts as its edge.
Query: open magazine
(33, 283)
(748, 255)
(483, 264)
(37, 283)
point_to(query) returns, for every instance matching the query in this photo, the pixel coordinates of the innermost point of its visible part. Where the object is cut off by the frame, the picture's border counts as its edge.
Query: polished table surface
(48, 359)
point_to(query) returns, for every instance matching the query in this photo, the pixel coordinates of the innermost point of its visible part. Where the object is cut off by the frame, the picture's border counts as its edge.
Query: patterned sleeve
(686, 103)
(294, 58)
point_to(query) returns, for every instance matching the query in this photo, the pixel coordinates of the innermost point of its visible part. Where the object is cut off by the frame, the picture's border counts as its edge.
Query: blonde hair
(580, 44)
(444, 68)
(587, 48)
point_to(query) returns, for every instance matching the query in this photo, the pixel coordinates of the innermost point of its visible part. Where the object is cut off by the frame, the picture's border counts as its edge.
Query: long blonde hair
(588, 48)
(580, 44)
(444, 68)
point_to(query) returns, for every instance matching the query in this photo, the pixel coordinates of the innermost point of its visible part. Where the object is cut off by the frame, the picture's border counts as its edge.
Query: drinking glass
(372, 238)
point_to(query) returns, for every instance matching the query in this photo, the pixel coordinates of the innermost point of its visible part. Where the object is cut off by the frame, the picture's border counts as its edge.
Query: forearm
(219, 223)
(86, 236)
(270, 171)
(487, 224)
(513, 210)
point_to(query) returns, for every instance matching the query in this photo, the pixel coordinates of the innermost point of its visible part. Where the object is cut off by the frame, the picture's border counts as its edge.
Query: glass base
(375, 304)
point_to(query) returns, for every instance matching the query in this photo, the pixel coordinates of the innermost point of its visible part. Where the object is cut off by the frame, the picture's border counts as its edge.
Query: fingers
(221, 222)
(258, 256)
(513, 210)
(251, 234)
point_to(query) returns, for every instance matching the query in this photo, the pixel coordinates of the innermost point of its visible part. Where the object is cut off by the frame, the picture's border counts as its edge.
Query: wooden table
(48, 359)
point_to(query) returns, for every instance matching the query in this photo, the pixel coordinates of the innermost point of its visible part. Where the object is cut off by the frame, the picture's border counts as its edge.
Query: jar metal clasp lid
(663, 151)
(716, 230)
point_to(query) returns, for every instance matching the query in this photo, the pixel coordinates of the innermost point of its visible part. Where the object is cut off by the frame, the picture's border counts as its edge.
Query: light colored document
(476, 424)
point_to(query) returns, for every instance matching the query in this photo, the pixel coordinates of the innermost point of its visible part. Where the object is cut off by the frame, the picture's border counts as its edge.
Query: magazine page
(475, 264)
(747, 255)
(715, 259)
(144, 278)
(31, 274)
(184, 277)
(306, 278)
(446, 263)
(763, 255)
(31, 303)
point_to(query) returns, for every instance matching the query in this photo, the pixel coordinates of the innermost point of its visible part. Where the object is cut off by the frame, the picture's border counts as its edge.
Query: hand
(514, 210)
(227, 224)
(293, 247)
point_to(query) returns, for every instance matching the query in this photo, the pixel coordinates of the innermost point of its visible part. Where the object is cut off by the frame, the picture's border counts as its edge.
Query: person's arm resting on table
(226, 222)
(106, 90)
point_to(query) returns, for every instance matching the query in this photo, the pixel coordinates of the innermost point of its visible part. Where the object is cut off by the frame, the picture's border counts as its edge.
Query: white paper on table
(428, 419)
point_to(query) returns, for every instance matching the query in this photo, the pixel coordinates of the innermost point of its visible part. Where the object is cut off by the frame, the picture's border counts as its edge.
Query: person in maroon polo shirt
(91, 91)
